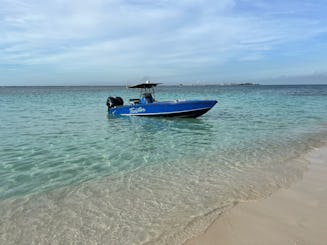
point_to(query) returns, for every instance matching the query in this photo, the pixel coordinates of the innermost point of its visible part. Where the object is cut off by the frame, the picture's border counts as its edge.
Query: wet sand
(297, 215)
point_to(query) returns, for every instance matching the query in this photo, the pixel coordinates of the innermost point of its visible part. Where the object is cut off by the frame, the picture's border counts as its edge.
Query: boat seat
(134, 101)
(147, 98)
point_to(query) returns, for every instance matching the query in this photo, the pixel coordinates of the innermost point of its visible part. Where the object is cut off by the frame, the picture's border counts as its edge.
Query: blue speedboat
(146, 105)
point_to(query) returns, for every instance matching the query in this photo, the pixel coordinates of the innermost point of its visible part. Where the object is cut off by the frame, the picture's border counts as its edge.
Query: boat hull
(177, 108)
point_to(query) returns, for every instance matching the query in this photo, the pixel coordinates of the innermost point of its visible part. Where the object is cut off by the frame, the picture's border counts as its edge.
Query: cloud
(166, 37)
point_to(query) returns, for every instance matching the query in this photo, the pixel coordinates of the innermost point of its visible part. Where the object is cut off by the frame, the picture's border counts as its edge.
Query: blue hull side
(189, 108)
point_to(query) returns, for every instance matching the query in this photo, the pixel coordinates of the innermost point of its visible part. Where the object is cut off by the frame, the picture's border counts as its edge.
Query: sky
(103, 42)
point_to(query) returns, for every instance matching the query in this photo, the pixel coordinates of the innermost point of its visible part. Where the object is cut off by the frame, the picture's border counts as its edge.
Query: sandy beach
(297, 215)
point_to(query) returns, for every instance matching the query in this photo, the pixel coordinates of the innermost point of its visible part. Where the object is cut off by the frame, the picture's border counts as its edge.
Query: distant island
(219, 84)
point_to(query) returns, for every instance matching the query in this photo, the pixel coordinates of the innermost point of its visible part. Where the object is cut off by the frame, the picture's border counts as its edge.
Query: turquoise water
(70, 173)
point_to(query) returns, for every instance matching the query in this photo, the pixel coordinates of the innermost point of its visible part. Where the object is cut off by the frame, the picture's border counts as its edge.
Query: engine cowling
(113, 102)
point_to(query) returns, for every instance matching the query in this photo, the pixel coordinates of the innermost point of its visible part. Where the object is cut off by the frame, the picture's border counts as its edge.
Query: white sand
(290, 216)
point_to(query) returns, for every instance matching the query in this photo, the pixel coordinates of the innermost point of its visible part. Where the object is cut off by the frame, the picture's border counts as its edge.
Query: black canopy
(144, 85)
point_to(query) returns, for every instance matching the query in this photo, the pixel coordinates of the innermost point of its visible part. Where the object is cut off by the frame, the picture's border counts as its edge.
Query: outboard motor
(120, 101)
(110, 102)
(113, 102)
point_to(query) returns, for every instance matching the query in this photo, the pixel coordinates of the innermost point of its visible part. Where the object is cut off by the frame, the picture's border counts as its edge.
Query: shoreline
(297, 215)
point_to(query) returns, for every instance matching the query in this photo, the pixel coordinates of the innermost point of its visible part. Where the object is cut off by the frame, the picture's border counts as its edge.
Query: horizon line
(174, 85)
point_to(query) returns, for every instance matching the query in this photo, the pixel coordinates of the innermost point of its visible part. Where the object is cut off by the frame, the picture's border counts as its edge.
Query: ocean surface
(69, 174)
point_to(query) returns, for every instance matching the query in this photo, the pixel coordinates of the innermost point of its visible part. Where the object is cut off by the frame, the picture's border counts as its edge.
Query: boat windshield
(147, 93)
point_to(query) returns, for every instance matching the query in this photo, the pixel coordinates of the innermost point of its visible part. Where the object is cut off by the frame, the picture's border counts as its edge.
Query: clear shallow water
(70, 173)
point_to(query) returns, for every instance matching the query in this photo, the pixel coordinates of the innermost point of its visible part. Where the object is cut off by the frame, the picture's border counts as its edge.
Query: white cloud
(136, 36)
